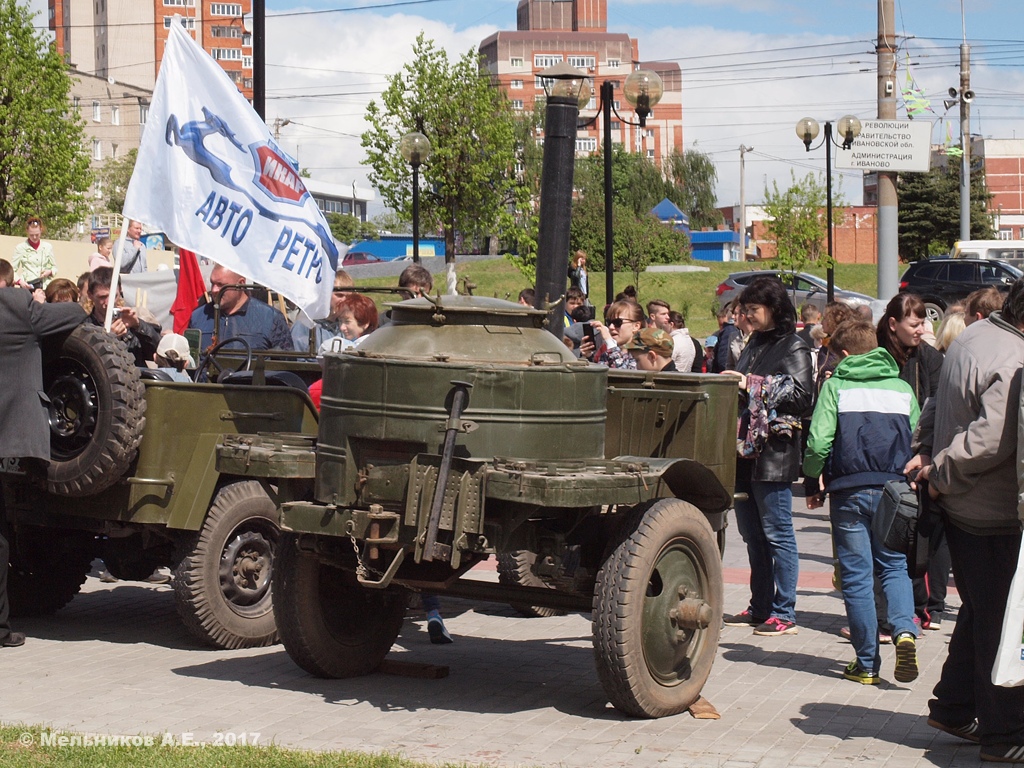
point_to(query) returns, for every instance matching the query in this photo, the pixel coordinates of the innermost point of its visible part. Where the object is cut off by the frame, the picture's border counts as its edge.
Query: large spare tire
(97, 411)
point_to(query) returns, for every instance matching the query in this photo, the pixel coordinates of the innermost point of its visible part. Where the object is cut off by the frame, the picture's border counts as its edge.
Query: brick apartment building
(576, 32)
(124, 39)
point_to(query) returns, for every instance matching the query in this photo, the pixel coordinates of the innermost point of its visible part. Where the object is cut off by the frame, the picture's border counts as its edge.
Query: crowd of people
(849, 404)
(833, 398)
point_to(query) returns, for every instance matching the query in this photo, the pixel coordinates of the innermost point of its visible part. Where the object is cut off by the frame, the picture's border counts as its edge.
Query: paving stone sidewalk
(522, 692)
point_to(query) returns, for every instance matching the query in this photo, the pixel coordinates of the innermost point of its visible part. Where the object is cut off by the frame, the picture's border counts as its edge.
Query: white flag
(211, 177)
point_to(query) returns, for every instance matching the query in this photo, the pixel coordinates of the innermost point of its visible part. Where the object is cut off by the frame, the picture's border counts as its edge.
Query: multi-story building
(576, 32)
(125, 39)
(1004, 177)
(1003, 161)
(113, 116)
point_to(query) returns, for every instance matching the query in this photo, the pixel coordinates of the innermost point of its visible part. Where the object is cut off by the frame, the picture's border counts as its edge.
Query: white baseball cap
(174, 347)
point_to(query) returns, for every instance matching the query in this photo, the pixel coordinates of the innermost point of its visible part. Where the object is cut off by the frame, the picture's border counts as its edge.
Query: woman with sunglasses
(623, 320)
(776, 390)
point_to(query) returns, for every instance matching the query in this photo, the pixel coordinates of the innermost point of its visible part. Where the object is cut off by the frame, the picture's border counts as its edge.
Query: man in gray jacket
(971, 439)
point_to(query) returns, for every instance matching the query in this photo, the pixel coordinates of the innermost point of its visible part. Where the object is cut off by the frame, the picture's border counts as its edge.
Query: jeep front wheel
(330, 625)
(223, 575)
(658, 612)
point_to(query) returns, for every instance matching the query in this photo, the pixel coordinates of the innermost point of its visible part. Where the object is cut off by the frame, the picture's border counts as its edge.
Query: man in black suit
(24, 429)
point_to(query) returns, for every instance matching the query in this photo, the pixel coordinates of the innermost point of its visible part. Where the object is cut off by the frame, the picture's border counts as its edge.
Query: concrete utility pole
(965, 138)
(743, 201)
(259, 58)
(888, 205)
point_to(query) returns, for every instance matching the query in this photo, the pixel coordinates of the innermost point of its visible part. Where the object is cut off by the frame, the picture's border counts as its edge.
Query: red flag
(190, 288)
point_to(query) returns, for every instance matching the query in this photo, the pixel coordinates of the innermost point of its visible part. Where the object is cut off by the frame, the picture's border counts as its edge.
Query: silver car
(803, 289)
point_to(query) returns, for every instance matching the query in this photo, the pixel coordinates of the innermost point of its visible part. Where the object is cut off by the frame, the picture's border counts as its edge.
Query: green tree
(115, 175)
(529, 165)
(469, 180)
(929, 210)
(644, 240)
(44, 169)
(347, 228)
(389, 221)
(796, 220)
(637, 186)
(693, 177)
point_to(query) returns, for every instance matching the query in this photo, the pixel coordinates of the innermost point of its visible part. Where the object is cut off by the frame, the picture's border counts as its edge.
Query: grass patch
(32, 746)
(692, 293)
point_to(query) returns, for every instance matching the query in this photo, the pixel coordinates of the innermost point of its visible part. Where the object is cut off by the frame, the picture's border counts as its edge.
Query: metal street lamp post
(807, 130)
(415, 148)
(643, 89)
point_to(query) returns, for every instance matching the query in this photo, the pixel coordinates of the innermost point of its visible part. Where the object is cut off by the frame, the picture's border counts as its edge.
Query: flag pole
(115, 278)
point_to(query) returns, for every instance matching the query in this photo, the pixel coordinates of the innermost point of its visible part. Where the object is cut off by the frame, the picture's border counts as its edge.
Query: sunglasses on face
(616, 322)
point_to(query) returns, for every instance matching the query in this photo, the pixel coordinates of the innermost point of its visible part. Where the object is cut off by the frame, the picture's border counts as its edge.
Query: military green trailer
(464, 430)
(134, 480)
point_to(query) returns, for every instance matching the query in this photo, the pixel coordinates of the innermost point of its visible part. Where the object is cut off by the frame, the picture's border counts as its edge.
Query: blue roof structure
(668, 211)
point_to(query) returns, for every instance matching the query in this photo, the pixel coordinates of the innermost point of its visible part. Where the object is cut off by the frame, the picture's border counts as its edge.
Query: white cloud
(359, 50)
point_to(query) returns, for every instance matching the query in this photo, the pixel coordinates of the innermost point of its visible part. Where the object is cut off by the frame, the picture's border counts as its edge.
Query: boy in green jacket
(860, 439)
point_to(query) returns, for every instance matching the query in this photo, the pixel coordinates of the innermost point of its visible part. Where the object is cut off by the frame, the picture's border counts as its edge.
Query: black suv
(941, 282)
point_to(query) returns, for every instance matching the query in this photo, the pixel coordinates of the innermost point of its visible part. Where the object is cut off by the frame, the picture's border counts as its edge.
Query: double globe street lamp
(569, 89)
(849, 129)
(415, 148)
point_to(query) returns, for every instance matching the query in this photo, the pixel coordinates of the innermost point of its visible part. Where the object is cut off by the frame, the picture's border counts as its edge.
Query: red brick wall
(855, 241)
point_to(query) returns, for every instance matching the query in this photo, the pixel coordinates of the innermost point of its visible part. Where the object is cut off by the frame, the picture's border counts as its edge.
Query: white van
(1003, 250)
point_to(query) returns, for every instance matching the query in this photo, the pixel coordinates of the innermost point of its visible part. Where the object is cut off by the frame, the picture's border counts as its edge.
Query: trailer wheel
(222, 580)
(46, 570)
(658, 611)
(516, 568)
(331, 626)
(96, 412)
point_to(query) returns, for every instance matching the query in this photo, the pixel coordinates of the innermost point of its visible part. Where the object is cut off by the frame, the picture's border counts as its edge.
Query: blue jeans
(765, 522)
(860, 557)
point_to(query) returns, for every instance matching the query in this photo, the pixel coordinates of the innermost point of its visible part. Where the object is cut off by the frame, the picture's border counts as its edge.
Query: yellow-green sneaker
(906, 658)
(854, 671)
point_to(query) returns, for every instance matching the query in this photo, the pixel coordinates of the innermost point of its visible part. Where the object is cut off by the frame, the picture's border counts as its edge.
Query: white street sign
(889, 145)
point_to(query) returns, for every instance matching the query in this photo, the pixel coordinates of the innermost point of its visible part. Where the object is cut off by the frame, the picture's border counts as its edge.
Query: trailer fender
(690, 481)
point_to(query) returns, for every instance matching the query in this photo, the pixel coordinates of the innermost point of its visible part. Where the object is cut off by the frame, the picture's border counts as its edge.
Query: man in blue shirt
(259, 324)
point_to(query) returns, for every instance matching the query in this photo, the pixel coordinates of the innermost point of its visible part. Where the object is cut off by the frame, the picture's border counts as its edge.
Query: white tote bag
(1008, 671)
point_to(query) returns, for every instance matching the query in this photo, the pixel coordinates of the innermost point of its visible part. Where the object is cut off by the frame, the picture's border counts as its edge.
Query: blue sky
(751, 69)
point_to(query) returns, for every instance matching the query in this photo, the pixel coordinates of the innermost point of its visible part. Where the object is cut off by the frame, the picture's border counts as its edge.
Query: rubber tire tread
(120, 415)
(514, 568)
(197, 592)
(306, 635)
(618, 610)
(52, 576)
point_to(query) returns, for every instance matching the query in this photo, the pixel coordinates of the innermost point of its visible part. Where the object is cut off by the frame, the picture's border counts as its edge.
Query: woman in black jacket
(901, 331)
(776, 390)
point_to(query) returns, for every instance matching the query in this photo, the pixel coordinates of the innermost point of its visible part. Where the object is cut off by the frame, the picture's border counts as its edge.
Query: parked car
(941, 282)
(803, 288)
(356, 258)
